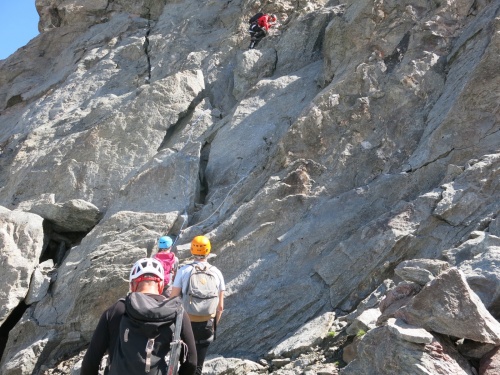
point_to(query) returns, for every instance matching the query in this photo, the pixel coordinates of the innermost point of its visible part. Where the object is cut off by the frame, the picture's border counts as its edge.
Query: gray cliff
(359, 136)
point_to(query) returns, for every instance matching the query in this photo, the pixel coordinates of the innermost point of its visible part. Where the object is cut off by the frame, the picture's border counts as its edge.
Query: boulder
(420, 271)
(75, 215)
(409, 333)
(479, 259)
(215, 365)
(40, 282)
(397, 297)
(490, 362)
(447, 305)
(21, 241)
(309, 335)
(364, 322)
(382, 351)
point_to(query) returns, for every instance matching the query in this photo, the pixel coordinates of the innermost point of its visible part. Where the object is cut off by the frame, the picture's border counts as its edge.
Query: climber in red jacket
(260, 27)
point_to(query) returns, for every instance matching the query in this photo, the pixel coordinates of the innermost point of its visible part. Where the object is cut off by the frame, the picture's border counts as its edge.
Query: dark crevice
(203, 190)
(183, 120)
(10, 323)
(55, 17)
(442, 156)
(16, 99)
(57, 243)
(396, 57)
(146, 51)
(275, 63)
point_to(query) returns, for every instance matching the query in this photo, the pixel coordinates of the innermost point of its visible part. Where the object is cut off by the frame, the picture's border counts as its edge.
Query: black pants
(203, 335)
(256, 35)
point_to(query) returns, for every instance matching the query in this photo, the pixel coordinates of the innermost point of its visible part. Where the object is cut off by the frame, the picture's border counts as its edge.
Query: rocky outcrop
(21, 240)
(73, 216)
(448, 306)
(384, 352)
(443, 315)
(358, 136)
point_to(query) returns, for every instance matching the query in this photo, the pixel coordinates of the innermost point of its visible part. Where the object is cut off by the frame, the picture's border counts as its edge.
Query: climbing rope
(213, 213)
(187, 185)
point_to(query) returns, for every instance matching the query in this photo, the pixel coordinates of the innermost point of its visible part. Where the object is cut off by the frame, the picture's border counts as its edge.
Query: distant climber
(259, 27)
(169, 262)
(137, 330)
(202, 288)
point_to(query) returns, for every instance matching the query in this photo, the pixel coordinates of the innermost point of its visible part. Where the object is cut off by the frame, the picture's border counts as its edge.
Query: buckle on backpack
(149, 350)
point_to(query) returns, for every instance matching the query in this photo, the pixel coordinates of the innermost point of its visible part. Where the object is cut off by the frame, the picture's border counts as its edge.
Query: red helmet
(273, 18)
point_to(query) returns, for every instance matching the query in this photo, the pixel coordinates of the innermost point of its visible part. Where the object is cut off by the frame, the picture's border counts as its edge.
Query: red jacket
(263, 22)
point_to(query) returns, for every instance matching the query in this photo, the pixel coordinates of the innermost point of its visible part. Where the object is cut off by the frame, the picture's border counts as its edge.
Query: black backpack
(255, 18)
(146, 331)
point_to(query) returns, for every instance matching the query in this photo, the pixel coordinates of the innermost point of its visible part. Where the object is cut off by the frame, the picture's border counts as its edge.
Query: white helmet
(146, 266)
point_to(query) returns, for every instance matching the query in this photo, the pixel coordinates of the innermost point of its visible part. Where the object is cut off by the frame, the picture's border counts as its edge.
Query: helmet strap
(161, 285)
(135, 283)
(133, 286)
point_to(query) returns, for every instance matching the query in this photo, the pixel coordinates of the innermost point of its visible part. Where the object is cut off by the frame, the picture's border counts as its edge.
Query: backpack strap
(176, 344)
(201, 266)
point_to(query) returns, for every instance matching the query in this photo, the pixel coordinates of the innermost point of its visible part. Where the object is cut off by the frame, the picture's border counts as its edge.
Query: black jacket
(107, 332)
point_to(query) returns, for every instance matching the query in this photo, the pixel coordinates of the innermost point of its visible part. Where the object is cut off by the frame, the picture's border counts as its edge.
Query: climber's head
(148, 271)
(200, 246)
(164, 243)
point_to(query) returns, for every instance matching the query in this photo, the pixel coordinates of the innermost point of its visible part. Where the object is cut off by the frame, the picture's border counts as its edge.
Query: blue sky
(18, 25)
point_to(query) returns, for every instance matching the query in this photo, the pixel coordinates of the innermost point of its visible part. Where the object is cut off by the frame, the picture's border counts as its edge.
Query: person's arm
(177, 284)
(174, 269)
(262, 23)
(176, 291)
(98, 346)
(220, 306)
(189, 366)
(266, 22)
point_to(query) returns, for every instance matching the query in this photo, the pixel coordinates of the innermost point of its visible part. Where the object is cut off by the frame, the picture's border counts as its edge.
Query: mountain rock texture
(346, 172)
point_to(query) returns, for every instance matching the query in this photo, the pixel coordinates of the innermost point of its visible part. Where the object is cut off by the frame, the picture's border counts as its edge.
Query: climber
(125, 339)
(259, 27)
(169, 262)
(201, 286)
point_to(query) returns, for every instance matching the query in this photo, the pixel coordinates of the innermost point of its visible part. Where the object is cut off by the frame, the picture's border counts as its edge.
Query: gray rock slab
(21, 243)
(75, 215)
(420, 271)
(215, 365)
(381, 352)
(305, 338)
(447, 305)
(364, 322)
(408, 332)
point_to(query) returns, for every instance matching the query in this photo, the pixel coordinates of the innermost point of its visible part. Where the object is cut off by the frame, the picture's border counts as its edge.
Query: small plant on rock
(360, 333)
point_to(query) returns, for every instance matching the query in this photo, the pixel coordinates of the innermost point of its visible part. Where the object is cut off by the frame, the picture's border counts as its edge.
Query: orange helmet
(200, 246)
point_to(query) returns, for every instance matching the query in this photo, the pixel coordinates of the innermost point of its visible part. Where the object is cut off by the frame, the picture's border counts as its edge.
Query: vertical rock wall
(358, 135)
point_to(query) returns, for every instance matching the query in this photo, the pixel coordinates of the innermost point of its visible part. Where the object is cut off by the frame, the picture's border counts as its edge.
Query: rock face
(21, 241)
(357, 136)
(447, 305)
(380, 352)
